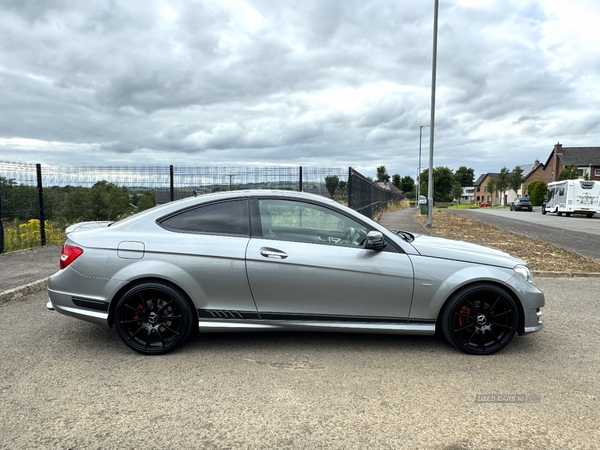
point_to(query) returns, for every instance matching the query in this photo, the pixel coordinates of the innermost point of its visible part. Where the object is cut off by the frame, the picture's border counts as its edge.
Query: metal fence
(35, 191)
(367, 197)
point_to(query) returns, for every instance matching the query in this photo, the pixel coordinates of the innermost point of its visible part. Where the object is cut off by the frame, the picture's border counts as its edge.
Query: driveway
(577, 234)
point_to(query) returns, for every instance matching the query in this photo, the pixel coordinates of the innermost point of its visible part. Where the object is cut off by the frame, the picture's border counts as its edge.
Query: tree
(503, 183)
(382, 174)
(331, 183)
(537, 190)
(109, 201)
(491, 187)
(515, 179)
(457, 191)
(146, 201)
(568, 173)
(407, 184)
(464, 176)
(443, 181)
(396, 181)
(77, 205)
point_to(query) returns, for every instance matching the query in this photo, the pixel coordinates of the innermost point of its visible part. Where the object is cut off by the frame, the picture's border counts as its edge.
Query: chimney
(558, 149)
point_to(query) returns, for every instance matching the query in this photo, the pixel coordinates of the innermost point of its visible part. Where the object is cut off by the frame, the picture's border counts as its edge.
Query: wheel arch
(504, 287)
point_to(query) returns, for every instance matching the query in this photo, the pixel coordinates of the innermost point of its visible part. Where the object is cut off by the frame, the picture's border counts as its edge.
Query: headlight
(525, 273)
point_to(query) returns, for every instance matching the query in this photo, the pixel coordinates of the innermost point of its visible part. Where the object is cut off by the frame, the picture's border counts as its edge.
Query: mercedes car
(283, 260)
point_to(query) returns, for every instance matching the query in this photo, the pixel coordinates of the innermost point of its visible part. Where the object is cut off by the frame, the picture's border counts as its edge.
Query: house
(586, 159)
(468, 194)
(389, 187)
(535, 173)
(481, 194)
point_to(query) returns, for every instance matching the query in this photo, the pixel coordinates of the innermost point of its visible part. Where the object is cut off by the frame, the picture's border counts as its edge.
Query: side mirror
(374, 241)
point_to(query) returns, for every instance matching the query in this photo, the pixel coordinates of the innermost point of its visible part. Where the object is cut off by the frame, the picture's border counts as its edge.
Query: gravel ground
(68, 384)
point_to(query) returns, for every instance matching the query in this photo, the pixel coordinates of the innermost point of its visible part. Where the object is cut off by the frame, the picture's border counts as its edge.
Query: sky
(323, 83)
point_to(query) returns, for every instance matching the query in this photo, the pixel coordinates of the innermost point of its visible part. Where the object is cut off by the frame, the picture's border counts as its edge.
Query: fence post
(1, 224)
(300, 180)
(349, 187)
(171, 184)
(38, 168)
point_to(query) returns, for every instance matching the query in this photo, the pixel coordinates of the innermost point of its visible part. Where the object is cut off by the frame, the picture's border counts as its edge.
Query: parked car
(485, 204)
(269, 260)
(521, 204)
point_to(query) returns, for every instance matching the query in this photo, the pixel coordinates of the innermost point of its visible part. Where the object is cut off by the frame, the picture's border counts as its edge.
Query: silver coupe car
(270, 260)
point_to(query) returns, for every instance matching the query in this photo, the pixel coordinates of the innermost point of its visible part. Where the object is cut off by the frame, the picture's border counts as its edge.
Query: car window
(306, 222)
(215, 218)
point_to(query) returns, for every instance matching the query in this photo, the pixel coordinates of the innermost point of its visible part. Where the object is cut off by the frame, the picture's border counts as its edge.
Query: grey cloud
(258, 82)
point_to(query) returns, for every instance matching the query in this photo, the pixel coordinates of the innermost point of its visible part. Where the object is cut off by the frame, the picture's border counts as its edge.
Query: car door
(310, 264)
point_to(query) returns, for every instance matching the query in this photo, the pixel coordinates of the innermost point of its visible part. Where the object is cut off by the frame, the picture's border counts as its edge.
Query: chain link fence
(37, 200)
(368, 198)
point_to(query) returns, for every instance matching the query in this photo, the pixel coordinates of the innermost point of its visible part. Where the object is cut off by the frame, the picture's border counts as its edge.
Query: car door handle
(272, 253)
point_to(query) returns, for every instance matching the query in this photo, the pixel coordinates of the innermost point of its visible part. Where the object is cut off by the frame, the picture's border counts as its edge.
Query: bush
(537, 190)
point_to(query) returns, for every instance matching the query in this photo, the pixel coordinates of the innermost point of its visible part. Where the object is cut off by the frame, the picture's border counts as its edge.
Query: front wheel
(480, 319)
(153, 318)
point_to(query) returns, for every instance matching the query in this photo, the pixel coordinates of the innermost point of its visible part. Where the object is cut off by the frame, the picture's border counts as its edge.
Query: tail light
(69, 254)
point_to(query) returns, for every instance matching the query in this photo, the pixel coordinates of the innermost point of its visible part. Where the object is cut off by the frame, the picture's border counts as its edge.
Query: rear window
(216, 218)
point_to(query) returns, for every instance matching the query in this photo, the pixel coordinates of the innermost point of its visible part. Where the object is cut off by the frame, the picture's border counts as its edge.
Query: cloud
(337, 83)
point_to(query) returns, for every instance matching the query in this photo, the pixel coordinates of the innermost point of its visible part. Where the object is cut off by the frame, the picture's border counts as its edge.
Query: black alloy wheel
(153, 318)
(480, 319)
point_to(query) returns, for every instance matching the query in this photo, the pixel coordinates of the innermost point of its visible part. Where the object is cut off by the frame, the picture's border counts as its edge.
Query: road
(68, 384)
(577, 233)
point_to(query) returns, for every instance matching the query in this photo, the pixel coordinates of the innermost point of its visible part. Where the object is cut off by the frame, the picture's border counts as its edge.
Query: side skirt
(228, 321)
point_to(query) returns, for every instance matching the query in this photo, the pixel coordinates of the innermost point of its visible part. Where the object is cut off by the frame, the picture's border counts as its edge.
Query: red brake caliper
(464, 321)
(137, 316)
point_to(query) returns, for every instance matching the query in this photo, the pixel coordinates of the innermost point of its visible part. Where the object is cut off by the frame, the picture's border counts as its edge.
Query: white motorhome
(572, 197)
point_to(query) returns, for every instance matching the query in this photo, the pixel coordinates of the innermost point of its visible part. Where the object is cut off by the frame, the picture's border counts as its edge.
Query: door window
(305, 222)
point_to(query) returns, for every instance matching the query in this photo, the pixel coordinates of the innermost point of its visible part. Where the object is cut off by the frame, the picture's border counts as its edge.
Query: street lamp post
(419, 170)
(432, 119)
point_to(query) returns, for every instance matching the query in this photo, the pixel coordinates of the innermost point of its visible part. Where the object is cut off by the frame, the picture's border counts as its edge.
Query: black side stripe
(290, 317)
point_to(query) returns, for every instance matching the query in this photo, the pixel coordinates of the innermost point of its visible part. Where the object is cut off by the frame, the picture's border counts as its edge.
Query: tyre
(589, 216)
(153, 318)
(480, 319)
(568, 214)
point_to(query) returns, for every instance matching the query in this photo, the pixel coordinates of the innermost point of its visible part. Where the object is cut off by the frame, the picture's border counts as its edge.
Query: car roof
(176, 205)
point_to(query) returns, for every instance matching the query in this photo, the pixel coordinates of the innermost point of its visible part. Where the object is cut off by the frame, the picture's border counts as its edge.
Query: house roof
(493, 176)
(578, 156)
(527, 169)
(389, 186)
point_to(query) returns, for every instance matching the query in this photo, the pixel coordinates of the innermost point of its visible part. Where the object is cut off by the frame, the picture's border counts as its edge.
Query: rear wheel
(480, 319)
(153, 318)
